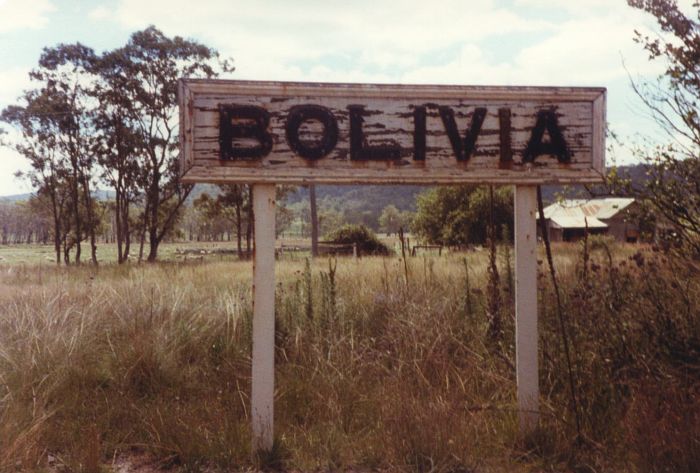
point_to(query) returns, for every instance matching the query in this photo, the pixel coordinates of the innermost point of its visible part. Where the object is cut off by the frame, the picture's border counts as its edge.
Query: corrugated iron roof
(572, 212)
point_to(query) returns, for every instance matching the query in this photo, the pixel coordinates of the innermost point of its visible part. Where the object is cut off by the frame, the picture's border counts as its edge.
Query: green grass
(106, 253)
(372, 371)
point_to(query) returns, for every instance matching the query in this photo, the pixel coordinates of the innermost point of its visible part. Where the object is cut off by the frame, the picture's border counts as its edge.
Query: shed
(569, 220)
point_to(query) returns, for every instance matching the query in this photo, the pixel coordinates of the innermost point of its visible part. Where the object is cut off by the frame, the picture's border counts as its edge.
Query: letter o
(301, 113)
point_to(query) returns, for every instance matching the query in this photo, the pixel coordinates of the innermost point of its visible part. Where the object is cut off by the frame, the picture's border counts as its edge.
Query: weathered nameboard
(283, 132)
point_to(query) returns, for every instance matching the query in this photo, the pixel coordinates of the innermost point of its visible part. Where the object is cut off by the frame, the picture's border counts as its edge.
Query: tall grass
(374, 371)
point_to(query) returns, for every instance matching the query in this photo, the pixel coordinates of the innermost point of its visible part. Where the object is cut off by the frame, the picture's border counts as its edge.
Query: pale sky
(480, 42)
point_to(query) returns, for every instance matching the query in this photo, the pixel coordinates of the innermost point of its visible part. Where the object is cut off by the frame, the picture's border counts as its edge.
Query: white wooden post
(263, 376)
(526, 340)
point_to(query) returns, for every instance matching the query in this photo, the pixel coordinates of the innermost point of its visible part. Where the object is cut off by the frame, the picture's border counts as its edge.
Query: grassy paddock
(378, 367)
(44, 255)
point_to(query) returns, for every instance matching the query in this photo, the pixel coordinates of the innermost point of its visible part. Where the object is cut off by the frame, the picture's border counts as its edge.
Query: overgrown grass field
(379, 365)
(45, 255)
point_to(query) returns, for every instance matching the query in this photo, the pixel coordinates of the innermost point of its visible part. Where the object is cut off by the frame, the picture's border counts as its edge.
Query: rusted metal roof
(579, 221)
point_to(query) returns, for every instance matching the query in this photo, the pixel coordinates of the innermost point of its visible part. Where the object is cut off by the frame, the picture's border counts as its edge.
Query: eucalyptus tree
(65, 77)
(112, 116)
(673, 187)
(146, 72)
(35, 120)
(117, 147)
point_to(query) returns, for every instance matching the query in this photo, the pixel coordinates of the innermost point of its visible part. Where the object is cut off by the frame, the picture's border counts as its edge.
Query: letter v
(463, 148)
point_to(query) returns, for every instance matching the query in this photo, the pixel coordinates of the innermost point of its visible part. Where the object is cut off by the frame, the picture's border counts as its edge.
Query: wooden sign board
(302, 133)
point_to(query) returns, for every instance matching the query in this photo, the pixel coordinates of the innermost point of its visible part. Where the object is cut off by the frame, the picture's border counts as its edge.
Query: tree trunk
(56, 227)
(118, 224)
(238, 230)
(249, 228)
(92, 224)
(66, 251)
(314, 220)
(76, 216)
(127, 229)
(152, 245)
(141, 244)
(154, 197)
(142, 237)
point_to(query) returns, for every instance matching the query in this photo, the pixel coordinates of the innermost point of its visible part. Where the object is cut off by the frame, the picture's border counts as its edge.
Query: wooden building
(569, 220)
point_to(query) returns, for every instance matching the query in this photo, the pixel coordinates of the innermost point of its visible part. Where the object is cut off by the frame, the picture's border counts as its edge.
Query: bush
(367, 241)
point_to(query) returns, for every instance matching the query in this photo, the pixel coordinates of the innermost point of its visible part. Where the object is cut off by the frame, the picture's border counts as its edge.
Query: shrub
(367, 241)
(662, 425)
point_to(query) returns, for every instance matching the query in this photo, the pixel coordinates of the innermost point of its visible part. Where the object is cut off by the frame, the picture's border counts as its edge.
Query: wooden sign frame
(390, 134)
(268, 133)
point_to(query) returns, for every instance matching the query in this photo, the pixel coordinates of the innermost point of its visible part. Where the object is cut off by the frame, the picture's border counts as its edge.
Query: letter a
(546, 120)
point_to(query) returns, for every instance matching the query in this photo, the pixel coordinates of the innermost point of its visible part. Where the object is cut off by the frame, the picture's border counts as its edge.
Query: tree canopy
(460, 215)
(109, 118)
(673, 187)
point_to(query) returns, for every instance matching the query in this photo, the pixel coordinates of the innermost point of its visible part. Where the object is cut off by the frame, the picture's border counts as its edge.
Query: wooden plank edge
(590, 177)
(186, 130)
(428, 91)
(599, 130)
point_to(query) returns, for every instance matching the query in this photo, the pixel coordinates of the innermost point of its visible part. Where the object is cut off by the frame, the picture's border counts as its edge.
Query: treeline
(213, 213)
(22, 222)
(224, 216)
(110, 119)
(449, 215)
(228, 215)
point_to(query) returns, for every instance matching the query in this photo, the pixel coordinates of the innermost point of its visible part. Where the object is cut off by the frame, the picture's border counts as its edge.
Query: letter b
(239, 125)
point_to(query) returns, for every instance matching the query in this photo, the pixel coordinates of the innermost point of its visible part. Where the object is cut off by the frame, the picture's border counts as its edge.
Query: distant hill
(100, 194)
(636, 173)
(105, 194)
(373, 198)
(199, 189)
(14, 198)
(368, 197)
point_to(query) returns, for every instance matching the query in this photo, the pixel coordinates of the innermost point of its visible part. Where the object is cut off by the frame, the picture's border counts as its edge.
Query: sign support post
(526, 334)
(263, 382)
